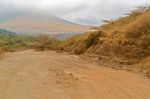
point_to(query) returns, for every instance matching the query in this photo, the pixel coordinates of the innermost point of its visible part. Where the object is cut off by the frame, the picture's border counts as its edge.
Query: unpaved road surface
(51, 75)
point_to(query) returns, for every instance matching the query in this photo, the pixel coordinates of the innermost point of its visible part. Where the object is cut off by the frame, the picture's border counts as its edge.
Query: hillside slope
(127, 38)
(124, 42)
(42, 25)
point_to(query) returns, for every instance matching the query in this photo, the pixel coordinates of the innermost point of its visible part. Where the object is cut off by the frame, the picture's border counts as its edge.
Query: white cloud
(80, 11)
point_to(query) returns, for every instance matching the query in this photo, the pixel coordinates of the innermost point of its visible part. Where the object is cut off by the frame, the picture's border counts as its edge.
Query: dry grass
(144, 66)
(46, 43)
(79, 44)
(127, 38)
(125, 41)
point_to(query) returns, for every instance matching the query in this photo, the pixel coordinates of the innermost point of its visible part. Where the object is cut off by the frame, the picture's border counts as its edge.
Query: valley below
(51, 75)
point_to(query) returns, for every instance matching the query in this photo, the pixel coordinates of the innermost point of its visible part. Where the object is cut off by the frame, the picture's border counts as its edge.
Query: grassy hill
(10, 41)
(125, 42)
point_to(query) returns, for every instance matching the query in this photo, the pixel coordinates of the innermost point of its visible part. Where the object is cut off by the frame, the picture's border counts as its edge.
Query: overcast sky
(89, 12)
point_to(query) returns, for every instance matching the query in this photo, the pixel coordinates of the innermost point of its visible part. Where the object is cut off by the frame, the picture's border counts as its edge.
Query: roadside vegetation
(10, 42)
(125, 42)
(122, 44)
(44, 42)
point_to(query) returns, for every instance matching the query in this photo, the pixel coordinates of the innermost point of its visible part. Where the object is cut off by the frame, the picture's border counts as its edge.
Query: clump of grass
(2, 51)
(144, 65)
(79, 44)
(46, 43)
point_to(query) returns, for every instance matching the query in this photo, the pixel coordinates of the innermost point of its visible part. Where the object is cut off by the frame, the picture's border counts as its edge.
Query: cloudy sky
(89, 12)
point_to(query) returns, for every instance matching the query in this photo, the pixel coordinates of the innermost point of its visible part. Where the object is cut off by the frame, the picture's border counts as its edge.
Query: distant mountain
(6, 32)
(42, 25)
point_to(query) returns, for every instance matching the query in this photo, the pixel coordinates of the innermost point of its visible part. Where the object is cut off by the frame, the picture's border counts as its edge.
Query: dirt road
(51, 75)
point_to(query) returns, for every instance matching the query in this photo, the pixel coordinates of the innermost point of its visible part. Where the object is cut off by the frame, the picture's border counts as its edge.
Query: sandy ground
(51, 75)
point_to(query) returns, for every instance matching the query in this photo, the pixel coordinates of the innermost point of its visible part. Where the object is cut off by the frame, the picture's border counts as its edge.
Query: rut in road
(51, 75)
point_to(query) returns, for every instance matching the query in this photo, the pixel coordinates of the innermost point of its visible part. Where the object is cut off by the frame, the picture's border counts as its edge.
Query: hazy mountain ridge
(42, 25)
